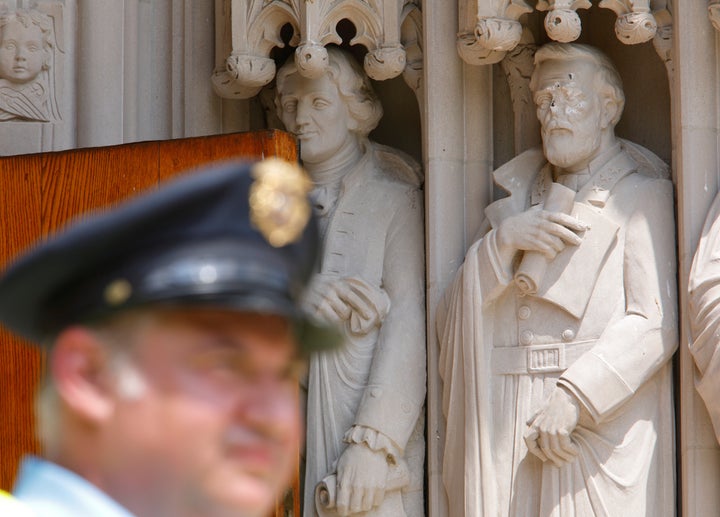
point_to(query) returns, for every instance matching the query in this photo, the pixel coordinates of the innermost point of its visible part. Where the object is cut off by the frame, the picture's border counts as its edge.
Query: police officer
(175, 342)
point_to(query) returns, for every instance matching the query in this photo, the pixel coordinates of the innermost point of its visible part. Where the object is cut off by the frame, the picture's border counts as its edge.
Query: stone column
(457, 147)
(100, 84)
(695, 141)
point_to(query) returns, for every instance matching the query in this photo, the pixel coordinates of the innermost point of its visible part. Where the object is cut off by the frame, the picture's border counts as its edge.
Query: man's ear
(80, 369)
(609, 111)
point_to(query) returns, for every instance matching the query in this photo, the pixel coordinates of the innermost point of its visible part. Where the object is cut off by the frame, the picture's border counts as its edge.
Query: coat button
(568, 335)
(524, 312)
(526, 337)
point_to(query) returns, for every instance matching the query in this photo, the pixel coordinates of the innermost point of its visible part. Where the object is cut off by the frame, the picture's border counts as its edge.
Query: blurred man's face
(313, 110)
(570, 112)
(215, 430)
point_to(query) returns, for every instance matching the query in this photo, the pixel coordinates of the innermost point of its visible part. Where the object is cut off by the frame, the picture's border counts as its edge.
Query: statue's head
(579, 98)
(327, 112)
(25, 45)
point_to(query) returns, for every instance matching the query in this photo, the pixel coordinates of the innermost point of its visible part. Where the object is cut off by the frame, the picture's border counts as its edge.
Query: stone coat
(376, 382)
(602, 324)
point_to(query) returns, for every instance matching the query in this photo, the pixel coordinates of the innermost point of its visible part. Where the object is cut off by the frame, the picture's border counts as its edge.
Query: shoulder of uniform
(10, 506)
(647, 162)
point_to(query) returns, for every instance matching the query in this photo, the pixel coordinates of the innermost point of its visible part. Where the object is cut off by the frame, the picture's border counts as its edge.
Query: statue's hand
(350, 299)
(549, 433)
(369, 304)
(322, 300)
(361, 479)
(538, 230)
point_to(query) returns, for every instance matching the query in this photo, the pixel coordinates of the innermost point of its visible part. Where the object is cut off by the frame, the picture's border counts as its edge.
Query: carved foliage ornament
(490, 28)
(253, 28)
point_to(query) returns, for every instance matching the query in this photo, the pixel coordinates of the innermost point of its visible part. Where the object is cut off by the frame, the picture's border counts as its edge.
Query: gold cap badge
(279, 207)
(117, 292)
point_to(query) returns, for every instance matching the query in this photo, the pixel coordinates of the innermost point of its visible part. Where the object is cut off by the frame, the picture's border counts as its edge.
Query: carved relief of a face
(21, 52)
(570, 111)
(314, 111)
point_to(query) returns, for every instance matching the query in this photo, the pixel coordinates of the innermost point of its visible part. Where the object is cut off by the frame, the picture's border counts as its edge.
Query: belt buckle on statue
(546, 358)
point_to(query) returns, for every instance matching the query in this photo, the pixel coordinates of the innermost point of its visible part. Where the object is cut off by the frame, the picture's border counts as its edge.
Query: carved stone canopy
(490, 28)
(252, 28)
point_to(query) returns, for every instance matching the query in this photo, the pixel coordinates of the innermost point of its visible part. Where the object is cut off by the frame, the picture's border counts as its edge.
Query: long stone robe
(603, 324)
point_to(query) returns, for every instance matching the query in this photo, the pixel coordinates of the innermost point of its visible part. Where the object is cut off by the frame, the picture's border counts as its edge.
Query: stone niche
(507, 386)
(646, 118)
(400, 126)
(336, 75)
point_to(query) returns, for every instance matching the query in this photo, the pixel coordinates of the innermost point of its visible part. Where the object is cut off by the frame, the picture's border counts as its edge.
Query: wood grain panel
(177, 156)
(281, 144)
(20, 363)
(39, 193)
(76, 182)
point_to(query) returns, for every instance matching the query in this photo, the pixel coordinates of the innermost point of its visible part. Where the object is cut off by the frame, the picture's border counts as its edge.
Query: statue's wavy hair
(353, 85)
(606, 75)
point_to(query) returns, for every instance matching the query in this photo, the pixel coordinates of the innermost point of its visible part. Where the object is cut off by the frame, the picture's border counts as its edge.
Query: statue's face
(21, 52)
(313, 110)
(570, 112)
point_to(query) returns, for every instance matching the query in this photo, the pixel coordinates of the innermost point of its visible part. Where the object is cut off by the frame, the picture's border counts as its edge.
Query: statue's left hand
(361, 479)
(549, 433)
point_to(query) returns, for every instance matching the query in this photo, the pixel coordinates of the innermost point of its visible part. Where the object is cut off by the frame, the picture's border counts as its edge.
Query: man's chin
(246, 496)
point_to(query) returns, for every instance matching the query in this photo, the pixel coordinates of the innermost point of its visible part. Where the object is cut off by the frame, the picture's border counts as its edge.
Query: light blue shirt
(49, 490)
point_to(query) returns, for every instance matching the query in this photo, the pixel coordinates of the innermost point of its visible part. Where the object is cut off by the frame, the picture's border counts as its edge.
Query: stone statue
(556, 335)
(26, 90)
(365, 418)
(704, 312)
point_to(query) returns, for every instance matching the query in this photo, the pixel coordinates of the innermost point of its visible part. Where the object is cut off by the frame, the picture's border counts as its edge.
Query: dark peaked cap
(191, 242)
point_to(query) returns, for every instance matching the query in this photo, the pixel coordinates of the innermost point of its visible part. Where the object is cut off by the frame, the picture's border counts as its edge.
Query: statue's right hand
(549, 432)
(339, 300)
(361, 479)
(539, 230)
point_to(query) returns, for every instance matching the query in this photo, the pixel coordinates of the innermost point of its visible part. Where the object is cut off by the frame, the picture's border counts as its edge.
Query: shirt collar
(47, 487)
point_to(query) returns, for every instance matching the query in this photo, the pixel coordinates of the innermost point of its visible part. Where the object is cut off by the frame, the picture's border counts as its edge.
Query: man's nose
(270, 407)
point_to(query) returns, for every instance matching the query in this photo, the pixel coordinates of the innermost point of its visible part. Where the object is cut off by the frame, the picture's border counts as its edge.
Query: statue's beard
(568, 148)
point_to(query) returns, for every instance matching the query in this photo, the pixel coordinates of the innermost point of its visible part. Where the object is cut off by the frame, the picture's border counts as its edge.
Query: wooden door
(38, 193)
